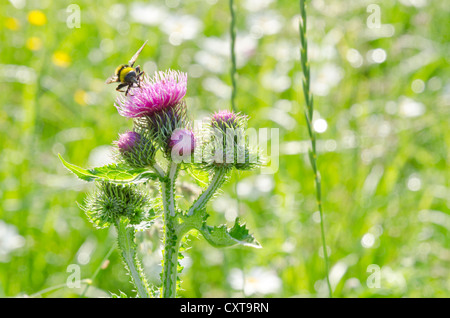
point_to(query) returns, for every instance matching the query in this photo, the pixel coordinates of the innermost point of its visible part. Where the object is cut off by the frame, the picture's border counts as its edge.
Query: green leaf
(117, 173)
(220, 236)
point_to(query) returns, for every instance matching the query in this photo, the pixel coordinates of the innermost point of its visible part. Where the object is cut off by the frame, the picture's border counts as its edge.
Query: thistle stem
(158, 170)
(125, 236)
(171, 241)
(309, 101)
(216, 182)
(170, 261)
(173, 170)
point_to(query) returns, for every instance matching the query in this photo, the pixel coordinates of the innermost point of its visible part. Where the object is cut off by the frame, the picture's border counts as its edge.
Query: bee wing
(112, 79)
(135, 56)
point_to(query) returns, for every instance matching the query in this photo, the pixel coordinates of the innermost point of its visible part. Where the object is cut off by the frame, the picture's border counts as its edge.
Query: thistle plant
(122, 198)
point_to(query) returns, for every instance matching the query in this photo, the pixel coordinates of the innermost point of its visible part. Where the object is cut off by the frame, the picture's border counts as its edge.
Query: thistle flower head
(128, 141)
(136, 149)
(224, 119)
(110, 202)
(227, 146)
(163, 91)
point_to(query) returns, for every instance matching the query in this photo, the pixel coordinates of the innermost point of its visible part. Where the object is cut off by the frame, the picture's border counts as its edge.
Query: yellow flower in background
(37, 17)
(12, 24)
(61, 59)
(34, 43)
(80, 97)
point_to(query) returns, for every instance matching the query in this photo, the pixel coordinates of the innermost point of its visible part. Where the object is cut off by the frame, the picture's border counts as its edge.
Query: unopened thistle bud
(182, 144)
(228, 146)
(128, 141)
(110, 202)
(162, 125)
(135, 149)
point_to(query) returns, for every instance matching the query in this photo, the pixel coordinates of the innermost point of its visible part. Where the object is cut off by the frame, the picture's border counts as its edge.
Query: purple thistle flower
(163, 91)
(135, 149)
(224, 119)
(182, 142)
(128, 141)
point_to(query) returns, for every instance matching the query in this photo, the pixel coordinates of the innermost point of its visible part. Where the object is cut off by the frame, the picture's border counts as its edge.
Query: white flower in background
(117, 11)
(283, 51)
(17, 73)
(264, 23)
(410, 108)
(251, 188)
(256, 5)
(246, 46)
(328, 77)
(414, 183)
(276, 81)
(215, 52)
(217, 46)
(320, 125)
(10, 240)
(148, 14)
(368, 240)
(101, 155)
(414, 3)
(376, 56)
(354, 58)
(258, 281)
(392, 278)
(217, 87)
(337, 272)
(181, 28)
(211, 62)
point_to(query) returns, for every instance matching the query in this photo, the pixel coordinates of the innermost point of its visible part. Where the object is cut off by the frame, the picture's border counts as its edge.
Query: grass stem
(233, 55)
(309, 101)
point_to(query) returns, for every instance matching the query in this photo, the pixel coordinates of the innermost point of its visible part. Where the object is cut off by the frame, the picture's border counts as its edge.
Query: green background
(383, 92)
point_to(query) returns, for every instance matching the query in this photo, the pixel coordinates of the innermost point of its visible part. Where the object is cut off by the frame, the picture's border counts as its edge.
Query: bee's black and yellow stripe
(122, 71)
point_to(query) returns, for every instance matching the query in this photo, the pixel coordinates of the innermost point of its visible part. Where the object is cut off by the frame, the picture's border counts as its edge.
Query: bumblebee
(126, 75)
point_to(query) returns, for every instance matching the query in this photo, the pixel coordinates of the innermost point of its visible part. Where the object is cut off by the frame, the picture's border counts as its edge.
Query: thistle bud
(110, 202)
(135, 149)
(161, 125)
(225, 119)
(182, 144)
(227, 146)
(128, 141)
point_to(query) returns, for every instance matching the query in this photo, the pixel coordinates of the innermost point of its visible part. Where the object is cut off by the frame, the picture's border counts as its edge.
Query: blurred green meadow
(380, 79)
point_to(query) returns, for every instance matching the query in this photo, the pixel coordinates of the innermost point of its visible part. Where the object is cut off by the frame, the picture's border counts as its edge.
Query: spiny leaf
(116, 173)
(240, 232)
(220, 236)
